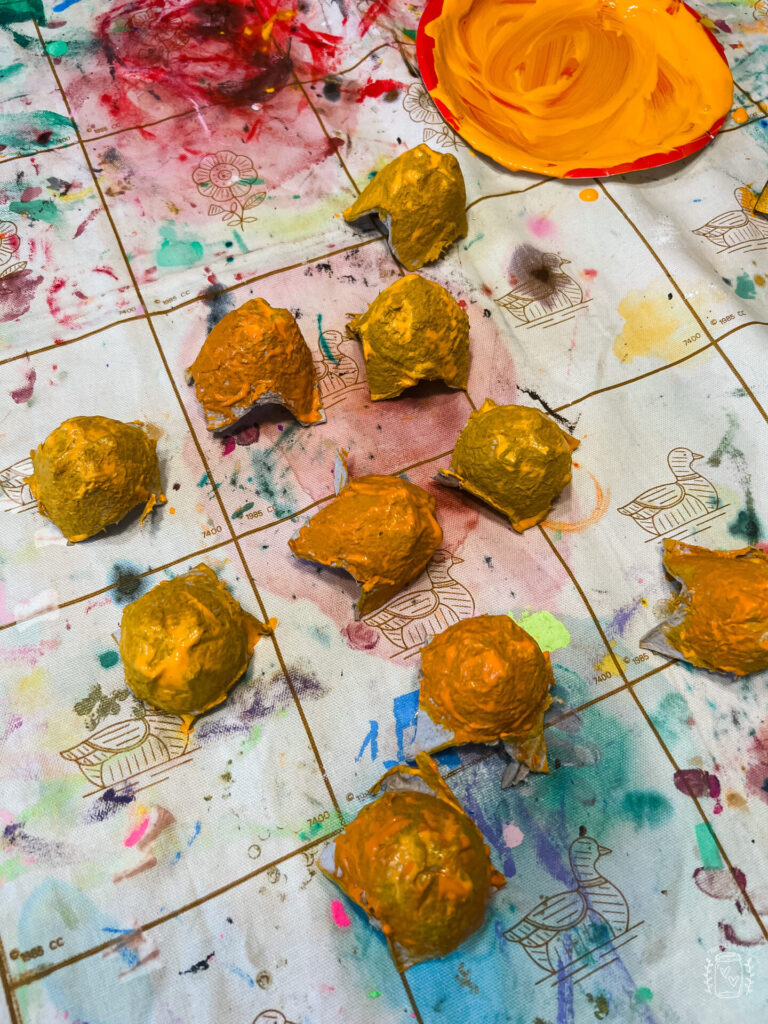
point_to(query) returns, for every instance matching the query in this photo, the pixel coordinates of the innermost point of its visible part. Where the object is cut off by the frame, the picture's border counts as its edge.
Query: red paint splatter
(695, 782)
(360, 636)
(377, 9)
(379, 88)
(81, 227)
(16, 294)
(248, 435)
(210, 51)
(334, 145)
(68, 320)
(227, 445)
(591, 274)
(24, 393)
(106, 270)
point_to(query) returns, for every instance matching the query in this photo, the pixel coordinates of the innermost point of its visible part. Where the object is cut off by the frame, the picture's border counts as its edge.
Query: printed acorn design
(514, 458)
(186, 642)
(719, 619)
(485, 680)
(414, 330)
(416, 863)
(381, 529)
(421, 197)
(91, 471)
(255, 355)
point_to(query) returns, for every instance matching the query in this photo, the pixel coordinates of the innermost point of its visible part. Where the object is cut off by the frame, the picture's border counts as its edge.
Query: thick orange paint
(91, 471)
(381, 529)
(186, 642)
(255, 355)
(514, 458)
(719, 620)
(417, 863)
(485, 679)
(556, 86)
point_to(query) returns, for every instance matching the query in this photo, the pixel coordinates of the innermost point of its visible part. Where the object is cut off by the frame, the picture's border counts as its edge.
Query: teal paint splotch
(36, 129)
(645, 807)
(37, 209)
(57, 907)
(324, 347)
(10, 71)
(672, 717)
(746, 526)
(271, 474)
(177, 252)
(745, 287)
(108, 659)
(14, 11)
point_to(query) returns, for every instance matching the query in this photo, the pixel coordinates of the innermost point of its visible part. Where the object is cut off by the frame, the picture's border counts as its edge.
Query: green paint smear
(10, 71)
(643, 995)
(548, 632)
(410, 33)
(746, 526)
(646, 807)
(745, 287)
(22, 131)
(57, 48)
(177, 252)
(240, 243)
(11, 869)
(253, 738)
(242, 510)
(37, 209)
(319, 828)
(708, 851)
(375, 994)
(14, 11)
(108, 659)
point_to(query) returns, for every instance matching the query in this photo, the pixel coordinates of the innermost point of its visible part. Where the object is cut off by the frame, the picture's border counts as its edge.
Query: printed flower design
(228, 179)
(420, 108)
(9, 244)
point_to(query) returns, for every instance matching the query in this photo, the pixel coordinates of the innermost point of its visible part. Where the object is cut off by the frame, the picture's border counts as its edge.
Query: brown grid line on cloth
(10, 985)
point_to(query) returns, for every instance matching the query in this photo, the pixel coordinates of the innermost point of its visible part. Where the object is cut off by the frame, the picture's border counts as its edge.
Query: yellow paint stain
(72, 197)
(740, 116)
(588, 195)
(172, 511)
(759, 280)
(655, 324)
(747, 198)
(606, 666)
(735, 800)
(33, 682)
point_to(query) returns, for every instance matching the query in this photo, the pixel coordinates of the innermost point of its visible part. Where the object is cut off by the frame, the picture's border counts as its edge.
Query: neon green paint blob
(548, 632)
(643, 995)
(57, 48)
(177, 252)
(708, 851)
(375, 994)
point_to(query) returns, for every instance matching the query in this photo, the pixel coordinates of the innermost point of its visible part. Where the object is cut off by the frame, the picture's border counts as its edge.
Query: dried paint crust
(576, 87)
(255, 355)
(485, 679)
(422, 197)
(91, 471)
(381, 529)
(186, 642)
(417, 865)
(515, 459)
(414, 330)
(719, 619)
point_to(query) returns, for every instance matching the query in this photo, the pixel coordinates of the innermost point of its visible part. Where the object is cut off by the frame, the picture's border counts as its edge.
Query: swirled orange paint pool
(562, 87)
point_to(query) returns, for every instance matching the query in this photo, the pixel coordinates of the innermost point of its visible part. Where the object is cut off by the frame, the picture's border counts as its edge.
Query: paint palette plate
(471, 131)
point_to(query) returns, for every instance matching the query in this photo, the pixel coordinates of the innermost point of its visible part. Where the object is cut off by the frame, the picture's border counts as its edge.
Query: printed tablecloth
(152, 877)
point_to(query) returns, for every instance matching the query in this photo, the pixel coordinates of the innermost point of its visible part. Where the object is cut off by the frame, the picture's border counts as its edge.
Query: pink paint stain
(227, 445)
(138, 833)
(360, 636)
(24, 393)
(589, 273)
(106, 270)
(81, 227)
(339, 915)
(512, 835)
(541, 226)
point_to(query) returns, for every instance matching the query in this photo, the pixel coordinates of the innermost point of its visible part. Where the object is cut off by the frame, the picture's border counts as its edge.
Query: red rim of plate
(425, 46)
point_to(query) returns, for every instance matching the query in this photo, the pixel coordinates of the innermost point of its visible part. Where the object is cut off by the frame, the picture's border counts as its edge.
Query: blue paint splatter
(404, 709)
(64, 4)
(241, 974)
(195, 834)
(373, 739)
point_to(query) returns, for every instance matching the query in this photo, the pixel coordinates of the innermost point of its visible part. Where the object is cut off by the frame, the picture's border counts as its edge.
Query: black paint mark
(127, 582)
(570, 424)
(218, 302)
(201, 965)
